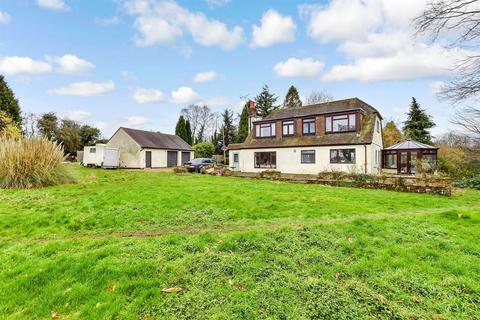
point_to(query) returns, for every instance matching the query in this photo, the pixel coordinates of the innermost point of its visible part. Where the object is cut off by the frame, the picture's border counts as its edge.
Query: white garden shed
(101, 155)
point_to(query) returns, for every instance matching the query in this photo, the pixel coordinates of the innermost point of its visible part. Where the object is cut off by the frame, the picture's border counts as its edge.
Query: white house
(146, 149)
(344, 135)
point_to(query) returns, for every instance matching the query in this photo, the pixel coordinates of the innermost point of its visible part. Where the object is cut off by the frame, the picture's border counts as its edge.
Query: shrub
(31, 163)
(470, 182)
(180, 170)
(204, 150)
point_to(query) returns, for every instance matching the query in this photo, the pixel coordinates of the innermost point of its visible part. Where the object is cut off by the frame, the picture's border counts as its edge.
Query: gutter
(365, 153)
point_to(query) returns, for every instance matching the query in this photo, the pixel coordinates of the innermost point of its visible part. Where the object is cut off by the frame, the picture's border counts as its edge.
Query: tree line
(13, 123)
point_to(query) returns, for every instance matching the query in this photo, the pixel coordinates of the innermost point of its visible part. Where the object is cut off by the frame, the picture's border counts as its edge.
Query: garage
(185, 157)
(172, 159)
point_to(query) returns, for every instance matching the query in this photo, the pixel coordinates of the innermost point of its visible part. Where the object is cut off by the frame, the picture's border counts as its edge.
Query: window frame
(272, 155)
(309, 121)
(258, 129)
(288, 123)
(385, 155)
(93, 150)
(310, 152)
(337, 158)
(329, 120)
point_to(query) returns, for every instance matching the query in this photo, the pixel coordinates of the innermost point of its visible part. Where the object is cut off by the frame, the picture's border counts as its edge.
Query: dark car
(196, 165)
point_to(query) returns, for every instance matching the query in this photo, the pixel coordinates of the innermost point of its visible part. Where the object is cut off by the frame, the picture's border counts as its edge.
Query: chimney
(252, 111)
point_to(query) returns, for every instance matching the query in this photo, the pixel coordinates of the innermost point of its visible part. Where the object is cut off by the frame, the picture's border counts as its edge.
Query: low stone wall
(416, 184)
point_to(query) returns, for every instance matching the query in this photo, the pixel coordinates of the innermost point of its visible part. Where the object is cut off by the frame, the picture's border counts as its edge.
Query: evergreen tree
(228, 129)
(188, 130)
(48, 125)
(69, 135)
(242, 133)
(181, 129)
(418, 123)
(8, 103)
(265, 102)
(391, 134)
(292, 99)
(216, 140)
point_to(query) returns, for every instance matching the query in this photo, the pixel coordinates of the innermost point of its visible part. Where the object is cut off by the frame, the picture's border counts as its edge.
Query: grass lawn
(239, 249)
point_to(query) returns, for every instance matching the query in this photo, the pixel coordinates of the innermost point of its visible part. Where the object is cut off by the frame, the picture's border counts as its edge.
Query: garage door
(185, 157)
(172, 159)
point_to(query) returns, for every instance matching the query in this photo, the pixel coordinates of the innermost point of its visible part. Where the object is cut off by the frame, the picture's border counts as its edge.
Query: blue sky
(138, 62)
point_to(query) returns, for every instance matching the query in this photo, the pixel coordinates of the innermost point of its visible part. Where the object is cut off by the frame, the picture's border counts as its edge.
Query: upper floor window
(265, 130)
(341, 123)
(379, 125)
(288, 128)
(308, 127)
(93, 150)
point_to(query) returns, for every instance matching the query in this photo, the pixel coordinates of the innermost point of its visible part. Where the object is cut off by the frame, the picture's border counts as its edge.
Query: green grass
(239, 249)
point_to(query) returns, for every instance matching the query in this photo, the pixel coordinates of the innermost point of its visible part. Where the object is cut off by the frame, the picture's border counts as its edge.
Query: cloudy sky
(136, 63)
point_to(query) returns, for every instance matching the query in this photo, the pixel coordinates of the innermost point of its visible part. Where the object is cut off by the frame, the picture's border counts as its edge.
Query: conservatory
(409, 157)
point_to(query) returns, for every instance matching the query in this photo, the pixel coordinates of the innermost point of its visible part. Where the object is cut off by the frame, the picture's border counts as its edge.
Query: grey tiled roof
(157, 140)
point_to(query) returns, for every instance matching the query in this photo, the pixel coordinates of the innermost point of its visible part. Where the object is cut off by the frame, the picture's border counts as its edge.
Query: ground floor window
(390, 160)
(342, 156)
(308, 156)
(265, 160)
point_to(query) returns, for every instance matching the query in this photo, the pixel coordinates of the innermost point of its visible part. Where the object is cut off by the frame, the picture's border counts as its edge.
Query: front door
(148, 159)
(172, 159)
(408, 162)
(236, 162)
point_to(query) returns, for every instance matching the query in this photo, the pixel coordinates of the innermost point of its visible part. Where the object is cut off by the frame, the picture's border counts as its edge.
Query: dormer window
(265, 130)
(341, 123)
(309, 127)
(288, 128)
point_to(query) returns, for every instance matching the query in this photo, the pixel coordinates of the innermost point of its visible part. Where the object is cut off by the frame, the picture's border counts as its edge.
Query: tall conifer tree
(418, 123)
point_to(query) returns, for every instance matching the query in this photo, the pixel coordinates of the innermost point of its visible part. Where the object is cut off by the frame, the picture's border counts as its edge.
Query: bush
(180, 170)
(204, 150)
(470, 182)
(31, 163)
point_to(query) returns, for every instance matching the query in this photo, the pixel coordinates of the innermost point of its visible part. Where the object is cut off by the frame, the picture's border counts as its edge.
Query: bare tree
(458, 23)
(29, 124)
(319, 97)
(468, 119)
(201, 121)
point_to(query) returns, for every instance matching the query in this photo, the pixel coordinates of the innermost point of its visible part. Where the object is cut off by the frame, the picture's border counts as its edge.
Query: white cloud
(342, 19)
(162, 22)
(71, 64)
(85, 89)
(107, 22)
(217, 3)
(294, 67)
(135, 122)
(4, 17)
(274, 28)
(16, 65)
(205, 76)
(76, 115)
(128, 75)
(53, 4)
(142, 95)
(414, 61)
(185, 95)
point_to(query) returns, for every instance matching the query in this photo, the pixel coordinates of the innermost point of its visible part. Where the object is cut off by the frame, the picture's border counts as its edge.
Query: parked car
(196, 165)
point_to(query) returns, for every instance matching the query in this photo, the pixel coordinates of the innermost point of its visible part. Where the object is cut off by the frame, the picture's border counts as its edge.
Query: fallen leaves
(55, 314)
(172, 290)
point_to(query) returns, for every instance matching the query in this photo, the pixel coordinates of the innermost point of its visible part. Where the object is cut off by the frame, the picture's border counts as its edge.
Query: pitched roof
(410, 144)
(345, 105)
(365, 136)
(157, 140)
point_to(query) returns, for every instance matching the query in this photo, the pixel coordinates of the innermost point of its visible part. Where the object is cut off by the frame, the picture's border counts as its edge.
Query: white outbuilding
(147, 149)
(100, 156)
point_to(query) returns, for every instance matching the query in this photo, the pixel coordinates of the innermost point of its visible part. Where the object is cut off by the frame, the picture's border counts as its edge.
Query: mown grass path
(239, 249)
